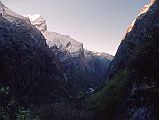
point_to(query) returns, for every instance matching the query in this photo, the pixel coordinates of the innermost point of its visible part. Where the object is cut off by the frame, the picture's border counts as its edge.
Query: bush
(61, 111)
(105, 102)
(7, 104)
(9, 108)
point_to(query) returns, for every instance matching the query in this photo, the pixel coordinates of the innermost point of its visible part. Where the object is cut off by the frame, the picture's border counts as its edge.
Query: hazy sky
(99, 24)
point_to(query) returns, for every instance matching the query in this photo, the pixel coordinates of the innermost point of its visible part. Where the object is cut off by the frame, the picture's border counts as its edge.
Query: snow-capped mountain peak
(38, 21)
(32, 17)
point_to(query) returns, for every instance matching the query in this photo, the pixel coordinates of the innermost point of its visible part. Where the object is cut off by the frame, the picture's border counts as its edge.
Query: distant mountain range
(87, 69)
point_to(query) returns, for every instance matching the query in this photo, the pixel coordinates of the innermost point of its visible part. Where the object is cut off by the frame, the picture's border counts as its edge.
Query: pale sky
(99, 24)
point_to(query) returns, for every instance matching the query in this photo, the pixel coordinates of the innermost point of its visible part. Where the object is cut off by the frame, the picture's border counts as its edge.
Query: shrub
(105, 102)
(9, 108)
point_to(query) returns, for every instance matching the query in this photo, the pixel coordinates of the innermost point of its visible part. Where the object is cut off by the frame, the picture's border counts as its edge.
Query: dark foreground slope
(132, 90)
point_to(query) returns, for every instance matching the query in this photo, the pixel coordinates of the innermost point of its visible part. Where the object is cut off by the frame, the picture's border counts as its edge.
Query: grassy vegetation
(105, 102)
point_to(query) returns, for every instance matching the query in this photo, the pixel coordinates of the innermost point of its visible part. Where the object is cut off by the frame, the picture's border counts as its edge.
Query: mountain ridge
(75, 58)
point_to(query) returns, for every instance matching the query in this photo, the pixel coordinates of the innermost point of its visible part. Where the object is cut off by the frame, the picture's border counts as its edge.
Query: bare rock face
(96, 65)
(62, 42)
(54, 39)
(9, 14)
(38, 21)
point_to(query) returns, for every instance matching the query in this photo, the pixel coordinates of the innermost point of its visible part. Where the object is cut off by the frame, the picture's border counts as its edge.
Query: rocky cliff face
(82, 67)
(136, 33)
(9, 14)
(131, 91)
(96, 65)
(138, 54)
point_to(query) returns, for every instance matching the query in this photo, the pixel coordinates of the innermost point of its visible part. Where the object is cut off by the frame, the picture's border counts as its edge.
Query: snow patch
(32, 17)
(97, 53)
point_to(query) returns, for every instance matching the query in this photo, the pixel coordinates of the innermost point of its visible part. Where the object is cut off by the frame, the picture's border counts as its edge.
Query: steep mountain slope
(96, 65)
(131, 92)
(27, 64)
(84, 68)
(136, 33)
(6, 12)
